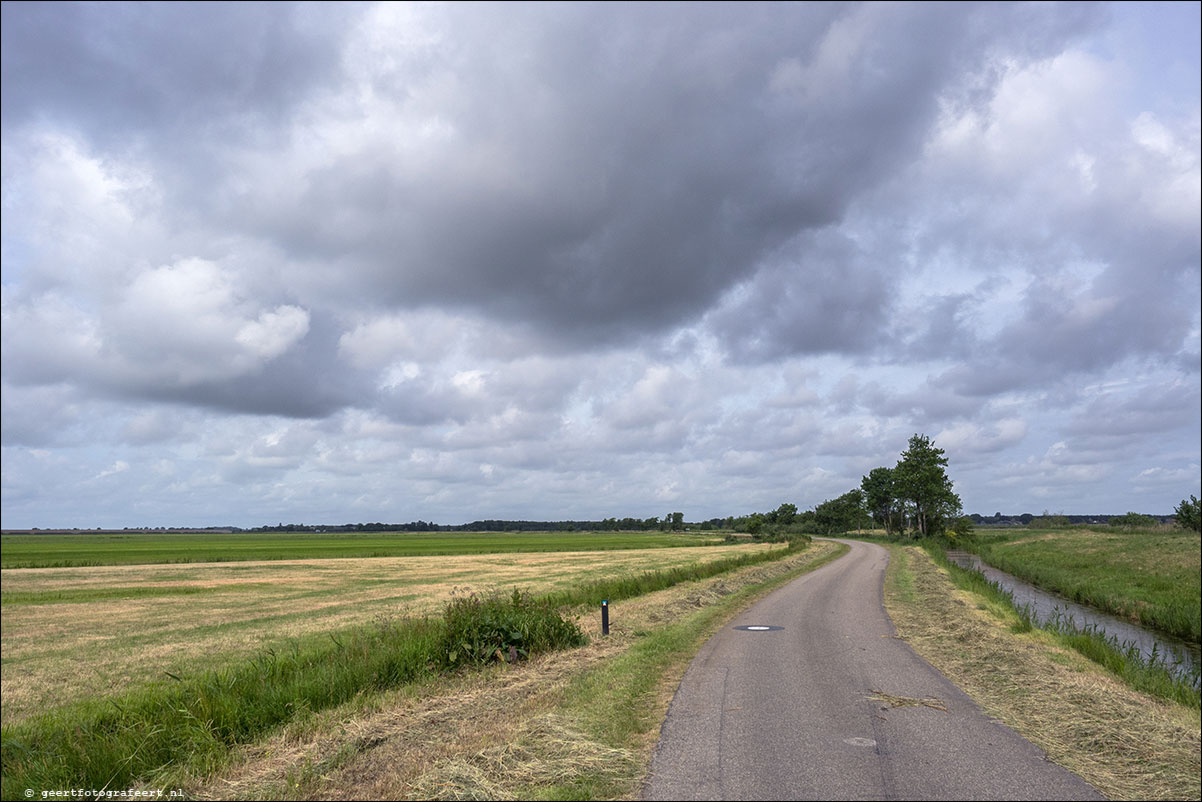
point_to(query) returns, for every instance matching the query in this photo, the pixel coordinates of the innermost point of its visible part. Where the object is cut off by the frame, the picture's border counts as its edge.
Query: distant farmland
(72, 633)
(134, 548)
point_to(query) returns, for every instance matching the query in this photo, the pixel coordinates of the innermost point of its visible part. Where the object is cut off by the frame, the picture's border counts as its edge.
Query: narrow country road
(826, 706)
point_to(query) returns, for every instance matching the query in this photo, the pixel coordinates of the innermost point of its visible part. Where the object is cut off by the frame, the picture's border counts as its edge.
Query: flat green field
(136, 548)
(1151, 576)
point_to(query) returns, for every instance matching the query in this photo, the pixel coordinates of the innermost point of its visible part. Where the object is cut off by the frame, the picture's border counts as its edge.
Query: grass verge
(1127, 744)
(621, 703)
(1151, 676)
(593, 592)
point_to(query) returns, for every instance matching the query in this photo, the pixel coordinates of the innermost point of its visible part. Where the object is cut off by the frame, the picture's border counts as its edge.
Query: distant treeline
(672, 522)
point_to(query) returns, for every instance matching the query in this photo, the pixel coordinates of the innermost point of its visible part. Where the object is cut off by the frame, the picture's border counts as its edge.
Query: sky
(342, 262)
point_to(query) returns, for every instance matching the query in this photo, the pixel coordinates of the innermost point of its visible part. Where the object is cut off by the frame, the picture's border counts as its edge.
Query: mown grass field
(1150, 576)
(84, 549)
(170, 666)
(579, 724)
(81, 632)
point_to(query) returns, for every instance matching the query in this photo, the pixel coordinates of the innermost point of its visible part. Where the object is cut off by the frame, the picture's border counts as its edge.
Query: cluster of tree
(915, 495)
(831, 517)
(785, 520)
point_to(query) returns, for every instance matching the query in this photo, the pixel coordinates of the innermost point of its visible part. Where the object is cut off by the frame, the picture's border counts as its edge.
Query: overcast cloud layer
(335, 262)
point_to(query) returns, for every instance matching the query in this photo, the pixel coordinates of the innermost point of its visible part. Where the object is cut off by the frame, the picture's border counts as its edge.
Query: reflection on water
(1046, 606)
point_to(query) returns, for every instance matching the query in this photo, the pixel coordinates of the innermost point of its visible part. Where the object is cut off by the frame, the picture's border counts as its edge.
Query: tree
(785, 514)
(841, 514)
(1189, 514)
(921, 482)
(879, 497)
(677, 521)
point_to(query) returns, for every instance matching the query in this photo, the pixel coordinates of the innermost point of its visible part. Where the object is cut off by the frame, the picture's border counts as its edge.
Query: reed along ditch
(1181, 657)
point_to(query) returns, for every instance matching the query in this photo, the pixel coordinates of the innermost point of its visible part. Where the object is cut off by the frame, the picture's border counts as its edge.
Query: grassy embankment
(1155, 570)
(83, 549)
(187, 725)
(1125, 661)
(1126, 743)
(1149, 576)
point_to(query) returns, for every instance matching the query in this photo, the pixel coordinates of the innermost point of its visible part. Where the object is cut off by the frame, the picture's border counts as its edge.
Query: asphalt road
(825, 708)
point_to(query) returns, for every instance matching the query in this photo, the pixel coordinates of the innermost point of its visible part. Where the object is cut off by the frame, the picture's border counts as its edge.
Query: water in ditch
(1045, 606)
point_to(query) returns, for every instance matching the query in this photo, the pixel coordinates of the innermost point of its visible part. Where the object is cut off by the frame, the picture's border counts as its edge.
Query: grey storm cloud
(599, 172)
(819, 293)
(566, 254)
(130, 74)
(624, 170)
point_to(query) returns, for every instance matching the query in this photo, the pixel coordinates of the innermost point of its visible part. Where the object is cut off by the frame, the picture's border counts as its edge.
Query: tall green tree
(920, 480)
(879, 497)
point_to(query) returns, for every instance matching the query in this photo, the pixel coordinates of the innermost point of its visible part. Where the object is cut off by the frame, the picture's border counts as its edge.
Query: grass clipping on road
(578, 724)
(1125, 743)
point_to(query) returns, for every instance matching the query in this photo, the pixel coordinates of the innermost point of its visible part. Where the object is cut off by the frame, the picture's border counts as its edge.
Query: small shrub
(962, 527)
(1189, 514)
(479, 629)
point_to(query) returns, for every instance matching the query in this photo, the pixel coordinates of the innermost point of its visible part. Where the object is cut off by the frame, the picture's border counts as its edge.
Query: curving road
(828, 707)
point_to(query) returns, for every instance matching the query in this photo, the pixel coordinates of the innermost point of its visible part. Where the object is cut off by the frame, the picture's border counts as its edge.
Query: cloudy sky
(344, 262)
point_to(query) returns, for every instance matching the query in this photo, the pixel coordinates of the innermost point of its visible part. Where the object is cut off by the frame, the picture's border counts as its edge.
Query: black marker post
(604, 617)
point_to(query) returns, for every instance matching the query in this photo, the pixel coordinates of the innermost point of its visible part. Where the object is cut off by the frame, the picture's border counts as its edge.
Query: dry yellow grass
(61, 651)
(1126, 744)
